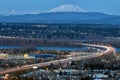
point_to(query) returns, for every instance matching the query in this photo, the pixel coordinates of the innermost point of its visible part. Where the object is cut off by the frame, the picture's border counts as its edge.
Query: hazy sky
(40, 6)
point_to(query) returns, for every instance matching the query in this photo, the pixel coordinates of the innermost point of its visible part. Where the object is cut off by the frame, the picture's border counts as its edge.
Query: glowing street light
(34, 67)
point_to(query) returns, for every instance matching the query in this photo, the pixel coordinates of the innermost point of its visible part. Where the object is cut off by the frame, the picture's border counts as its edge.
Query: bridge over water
(108, 49)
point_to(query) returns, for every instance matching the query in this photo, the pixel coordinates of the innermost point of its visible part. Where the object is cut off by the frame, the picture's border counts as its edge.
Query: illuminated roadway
(108, 49)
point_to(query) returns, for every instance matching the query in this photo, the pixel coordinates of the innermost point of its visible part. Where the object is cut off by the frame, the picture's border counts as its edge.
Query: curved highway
(108, 49)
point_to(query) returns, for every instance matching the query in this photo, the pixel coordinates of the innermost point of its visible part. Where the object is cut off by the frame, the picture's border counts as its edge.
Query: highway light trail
(108, 49)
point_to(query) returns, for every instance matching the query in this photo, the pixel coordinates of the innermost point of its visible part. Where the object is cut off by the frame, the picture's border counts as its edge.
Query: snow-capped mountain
(68, 8)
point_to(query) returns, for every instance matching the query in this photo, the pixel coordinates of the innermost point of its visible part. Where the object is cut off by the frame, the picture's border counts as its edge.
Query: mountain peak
(67, 8)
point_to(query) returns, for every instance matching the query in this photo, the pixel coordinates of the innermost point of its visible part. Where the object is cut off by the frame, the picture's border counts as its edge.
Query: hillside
(64, 17)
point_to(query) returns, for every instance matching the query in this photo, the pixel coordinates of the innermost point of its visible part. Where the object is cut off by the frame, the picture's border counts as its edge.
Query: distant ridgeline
(63, 17)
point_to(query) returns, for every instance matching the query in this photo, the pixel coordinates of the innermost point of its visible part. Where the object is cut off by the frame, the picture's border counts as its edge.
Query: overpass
(108, 49)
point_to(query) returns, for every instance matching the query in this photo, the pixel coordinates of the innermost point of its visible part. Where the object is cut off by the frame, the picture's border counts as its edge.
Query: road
(108, 49)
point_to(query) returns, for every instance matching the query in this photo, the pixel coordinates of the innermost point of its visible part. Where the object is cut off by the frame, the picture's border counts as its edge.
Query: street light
(34, 67)
(7, 65)
(70, 68)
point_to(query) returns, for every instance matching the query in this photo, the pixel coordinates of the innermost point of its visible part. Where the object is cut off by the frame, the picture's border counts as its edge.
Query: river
(49, 48)
(53, 48)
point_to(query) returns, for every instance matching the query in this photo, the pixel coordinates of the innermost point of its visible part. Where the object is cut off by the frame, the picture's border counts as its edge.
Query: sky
(42, 6)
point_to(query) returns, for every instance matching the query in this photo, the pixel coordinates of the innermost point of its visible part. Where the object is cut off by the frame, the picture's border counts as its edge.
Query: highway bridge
(108, 49)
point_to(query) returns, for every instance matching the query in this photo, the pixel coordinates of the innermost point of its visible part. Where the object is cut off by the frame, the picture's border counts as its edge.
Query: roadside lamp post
(34, 67)
(70, 68)
(17, 64)
(24, 62)
(7, 65)
(69, 63)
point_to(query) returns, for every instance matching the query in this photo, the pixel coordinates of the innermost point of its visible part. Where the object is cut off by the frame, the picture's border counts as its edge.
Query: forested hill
(63, 17)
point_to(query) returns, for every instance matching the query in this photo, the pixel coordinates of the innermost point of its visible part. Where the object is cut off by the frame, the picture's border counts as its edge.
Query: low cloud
(12, 12)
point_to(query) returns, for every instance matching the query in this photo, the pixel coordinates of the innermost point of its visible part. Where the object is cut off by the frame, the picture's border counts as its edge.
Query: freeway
(108, 49)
